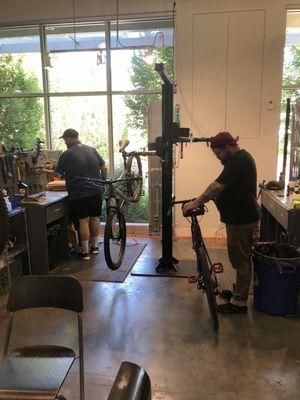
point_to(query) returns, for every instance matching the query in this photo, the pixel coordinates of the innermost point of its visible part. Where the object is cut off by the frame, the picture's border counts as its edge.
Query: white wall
(209, 93)
(218, 94)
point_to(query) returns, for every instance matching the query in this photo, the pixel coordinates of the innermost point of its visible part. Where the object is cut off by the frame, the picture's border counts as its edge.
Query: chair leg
(81, 358)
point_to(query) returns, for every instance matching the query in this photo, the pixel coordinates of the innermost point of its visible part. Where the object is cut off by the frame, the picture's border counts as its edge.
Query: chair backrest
(131, 383)
(33, 291)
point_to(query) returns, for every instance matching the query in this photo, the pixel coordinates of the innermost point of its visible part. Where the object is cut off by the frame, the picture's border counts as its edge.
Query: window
(291, 79)
(99, 84)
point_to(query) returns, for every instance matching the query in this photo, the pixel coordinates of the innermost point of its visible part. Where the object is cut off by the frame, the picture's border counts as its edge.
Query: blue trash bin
(276, 280)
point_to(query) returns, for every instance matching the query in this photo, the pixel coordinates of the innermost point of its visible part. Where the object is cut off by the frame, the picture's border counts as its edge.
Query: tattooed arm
(211, 192)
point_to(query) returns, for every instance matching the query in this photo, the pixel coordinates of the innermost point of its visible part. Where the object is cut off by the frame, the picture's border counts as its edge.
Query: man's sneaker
(226, 294)
(229, 308)
(84, 256)
(94, 250)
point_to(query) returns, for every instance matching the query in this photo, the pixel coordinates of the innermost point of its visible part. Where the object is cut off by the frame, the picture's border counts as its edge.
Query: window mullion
(109, 102)
(45, 88)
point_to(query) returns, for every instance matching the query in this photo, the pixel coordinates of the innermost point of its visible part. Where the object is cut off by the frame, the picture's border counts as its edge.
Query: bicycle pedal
(193, 279)
(218, 268)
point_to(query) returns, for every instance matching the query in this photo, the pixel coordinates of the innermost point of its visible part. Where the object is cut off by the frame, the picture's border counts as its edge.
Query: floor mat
(185, 268)
(96, 269)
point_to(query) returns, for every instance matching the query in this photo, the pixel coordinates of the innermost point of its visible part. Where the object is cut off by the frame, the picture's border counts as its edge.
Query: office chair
(38, 372)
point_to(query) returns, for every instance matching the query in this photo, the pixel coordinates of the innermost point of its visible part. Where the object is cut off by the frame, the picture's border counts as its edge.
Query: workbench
(47, 223)
(280, 221)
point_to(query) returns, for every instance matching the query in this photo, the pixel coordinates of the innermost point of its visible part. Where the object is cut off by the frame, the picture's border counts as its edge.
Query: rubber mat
(96, 269)
(147, 267)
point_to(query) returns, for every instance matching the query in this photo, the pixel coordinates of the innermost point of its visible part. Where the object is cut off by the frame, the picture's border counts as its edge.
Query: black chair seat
(43, 351)
(33, 377)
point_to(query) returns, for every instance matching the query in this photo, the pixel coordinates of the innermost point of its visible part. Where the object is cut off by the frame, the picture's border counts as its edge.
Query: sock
(94, 241)
(85, 246)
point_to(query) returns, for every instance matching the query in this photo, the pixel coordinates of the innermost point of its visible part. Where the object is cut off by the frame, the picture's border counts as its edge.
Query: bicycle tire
(208, 287)
(114, 241)
(134, 188)
(3, 223)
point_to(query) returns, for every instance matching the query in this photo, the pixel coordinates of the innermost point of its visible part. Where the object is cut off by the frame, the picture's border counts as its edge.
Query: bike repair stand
(171, 134)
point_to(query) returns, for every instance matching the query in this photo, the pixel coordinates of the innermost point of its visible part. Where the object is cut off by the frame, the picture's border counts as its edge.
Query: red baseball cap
(222, 139)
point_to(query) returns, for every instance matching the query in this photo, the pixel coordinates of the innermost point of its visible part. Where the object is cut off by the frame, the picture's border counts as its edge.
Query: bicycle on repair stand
(125, 189)
(206, 271)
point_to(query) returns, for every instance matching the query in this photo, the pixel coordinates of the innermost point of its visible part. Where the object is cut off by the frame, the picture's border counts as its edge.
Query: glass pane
(131, 70)
(293, 94)
(62, 37)
(22, 121)
(74, 70)
(142, 33)
(20, 61)
(130, 122)
(88, 115)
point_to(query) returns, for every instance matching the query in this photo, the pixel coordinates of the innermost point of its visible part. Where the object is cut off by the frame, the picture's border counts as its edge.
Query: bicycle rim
(209, 290)
(3, 223)
(134, 170)
(114, 239)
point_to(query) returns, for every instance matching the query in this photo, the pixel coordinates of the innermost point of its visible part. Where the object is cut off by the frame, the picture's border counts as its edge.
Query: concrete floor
(162, 324)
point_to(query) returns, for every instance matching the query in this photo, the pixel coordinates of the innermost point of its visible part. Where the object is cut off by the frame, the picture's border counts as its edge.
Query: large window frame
(110, 26)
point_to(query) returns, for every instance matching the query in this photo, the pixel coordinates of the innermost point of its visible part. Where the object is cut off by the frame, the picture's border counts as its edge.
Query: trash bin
(276, 278)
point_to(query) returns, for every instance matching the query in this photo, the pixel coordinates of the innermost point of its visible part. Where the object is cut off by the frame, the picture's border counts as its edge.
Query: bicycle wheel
(114, 238)
(134, 170)
(3, 223)
(208, 287)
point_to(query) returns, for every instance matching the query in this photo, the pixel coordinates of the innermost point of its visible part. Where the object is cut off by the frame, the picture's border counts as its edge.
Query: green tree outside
(21, 119)
(143, 76)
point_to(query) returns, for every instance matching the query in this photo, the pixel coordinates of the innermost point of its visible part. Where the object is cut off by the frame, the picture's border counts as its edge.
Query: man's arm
(50, 172)
(103, 170)
(210, 193)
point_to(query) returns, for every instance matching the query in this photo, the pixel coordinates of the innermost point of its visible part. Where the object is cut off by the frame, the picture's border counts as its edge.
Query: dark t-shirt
(80, 160)
(237, 202)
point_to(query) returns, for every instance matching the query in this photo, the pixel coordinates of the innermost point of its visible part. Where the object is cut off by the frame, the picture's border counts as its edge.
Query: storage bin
(276, 278)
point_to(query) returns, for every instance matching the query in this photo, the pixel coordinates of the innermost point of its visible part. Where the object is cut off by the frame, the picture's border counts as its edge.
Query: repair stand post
(166, 262)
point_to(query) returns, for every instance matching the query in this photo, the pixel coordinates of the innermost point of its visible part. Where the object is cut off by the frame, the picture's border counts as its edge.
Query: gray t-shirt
(80, 160)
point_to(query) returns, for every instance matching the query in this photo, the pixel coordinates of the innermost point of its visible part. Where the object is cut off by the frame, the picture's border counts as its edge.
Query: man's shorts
(85, 207)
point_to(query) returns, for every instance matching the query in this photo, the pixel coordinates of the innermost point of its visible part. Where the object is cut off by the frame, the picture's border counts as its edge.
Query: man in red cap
(234, 192)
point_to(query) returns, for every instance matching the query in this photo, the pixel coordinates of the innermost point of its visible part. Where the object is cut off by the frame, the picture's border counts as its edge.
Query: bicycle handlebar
(181, 201)
(197, 211)
(108, 181)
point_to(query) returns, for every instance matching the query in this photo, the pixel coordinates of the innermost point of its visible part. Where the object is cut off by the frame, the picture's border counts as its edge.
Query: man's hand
(40, 171)
(191, 205)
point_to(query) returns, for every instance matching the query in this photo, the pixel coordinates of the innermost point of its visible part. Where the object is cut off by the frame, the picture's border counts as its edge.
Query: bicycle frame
(206, 279)
(112, 190)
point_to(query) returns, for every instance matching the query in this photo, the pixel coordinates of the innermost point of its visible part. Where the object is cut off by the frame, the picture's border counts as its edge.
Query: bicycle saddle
(197, 211)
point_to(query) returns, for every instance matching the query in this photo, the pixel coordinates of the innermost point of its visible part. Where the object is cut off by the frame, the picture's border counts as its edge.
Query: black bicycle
(126, 189)
(206, 271)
